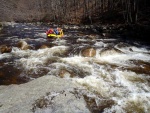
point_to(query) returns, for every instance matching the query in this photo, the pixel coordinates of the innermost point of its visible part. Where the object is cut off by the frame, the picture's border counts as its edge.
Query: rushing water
(116, 77)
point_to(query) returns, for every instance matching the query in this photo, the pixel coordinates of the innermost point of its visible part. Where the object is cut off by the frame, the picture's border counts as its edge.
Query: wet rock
(130, 49)
(98, 107)
(23, 45)
(25, 95)
(89, 52)
(141, 67)
(41, 103)
(43, 47)
(60, 102)
(110, 51)
(65, 73)
(38, 73)
(5, 49)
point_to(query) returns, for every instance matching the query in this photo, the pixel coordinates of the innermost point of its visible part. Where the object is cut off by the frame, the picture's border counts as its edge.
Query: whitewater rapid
(117, 77)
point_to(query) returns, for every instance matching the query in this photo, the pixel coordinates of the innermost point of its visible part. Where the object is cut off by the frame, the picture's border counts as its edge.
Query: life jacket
(56, 31)
(50, 31)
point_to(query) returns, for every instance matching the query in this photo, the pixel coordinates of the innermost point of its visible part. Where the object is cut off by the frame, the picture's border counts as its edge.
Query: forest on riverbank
(76, 11)
(132, 15)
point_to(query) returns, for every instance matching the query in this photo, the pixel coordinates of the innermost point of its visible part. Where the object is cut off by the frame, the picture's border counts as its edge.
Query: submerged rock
(64, 73)
(43, 47)
(5, 49)
(89, 52)
(23, 45)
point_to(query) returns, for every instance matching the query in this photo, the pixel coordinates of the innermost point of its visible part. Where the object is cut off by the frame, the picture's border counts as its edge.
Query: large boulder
(5, 49)
(23, 45)
(88, 52)
(47, 94)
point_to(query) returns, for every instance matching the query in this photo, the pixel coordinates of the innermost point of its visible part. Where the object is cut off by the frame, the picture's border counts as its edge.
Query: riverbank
(134, 32)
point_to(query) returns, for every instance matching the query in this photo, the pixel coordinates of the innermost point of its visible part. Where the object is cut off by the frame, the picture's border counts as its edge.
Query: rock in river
(23, 45)
(45, 94)
(89, 52)
(5, 49)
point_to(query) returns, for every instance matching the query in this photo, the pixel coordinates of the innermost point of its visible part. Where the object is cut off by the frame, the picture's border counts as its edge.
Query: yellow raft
(60, 35)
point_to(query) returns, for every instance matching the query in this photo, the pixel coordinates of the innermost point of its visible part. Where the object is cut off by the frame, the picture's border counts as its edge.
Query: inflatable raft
(60, 34)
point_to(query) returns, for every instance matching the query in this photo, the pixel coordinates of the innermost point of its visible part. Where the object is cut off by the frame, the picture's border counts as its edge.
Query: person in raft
(50, 31)
(54, 31)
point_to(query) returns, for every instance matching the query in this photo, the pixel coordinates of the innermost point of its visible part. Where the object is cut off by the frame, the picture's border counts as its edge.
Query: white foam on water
(141, 50)
(110, 39)
(81, 40)
(74, 27)
(41, 34)
(133, 49)
(27, 28)
(75, 60)
(124, 87)
(39, 39)
(21, 53)
(136, 102)
(60, 41)
(31, 58)
(94, 84)
(5, 55)
(79, 62)
(123, 59)
(131, 81)
(100, 44)
(13, 38)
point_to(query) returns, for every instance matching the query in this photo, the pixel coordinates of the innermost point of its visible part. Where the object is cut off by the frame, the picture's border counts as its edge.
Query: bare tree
(69, 10)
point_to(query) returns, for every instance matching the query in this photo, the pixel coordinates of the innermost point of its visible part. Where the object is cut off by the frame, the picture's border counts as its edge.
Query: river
(115, 72)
